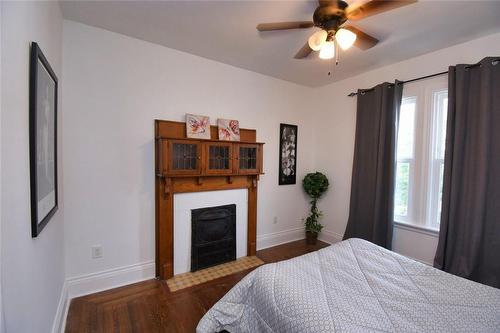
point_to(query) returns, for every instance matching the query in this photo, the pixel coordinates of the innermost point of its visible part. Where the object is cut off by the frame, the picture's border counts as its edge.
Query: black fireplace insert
(213, 236)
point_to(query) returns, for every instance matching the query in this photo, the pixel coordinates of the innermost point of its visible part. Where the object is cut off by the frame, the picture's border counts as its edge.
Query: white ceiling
(225, 31)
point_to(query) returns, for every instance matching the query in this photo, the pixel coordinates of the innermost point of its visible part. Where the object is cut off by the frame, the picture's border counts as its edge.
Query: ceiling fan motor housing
(330, 17)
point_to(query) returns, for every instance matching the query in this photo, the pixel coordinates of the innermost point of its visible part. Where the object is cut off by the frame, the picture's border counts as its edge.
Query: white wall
(32, 269)
(336, 129)
(114, 87)
(2, 326)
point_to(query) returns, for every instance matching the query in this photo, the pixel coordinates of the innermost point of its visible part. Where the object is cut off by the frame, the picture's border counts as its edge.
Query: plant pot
(311, 237)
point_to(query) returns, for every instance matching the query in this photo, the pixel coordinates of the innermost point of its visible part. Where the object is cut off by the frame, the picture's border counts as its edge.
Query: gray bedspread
(354, 286)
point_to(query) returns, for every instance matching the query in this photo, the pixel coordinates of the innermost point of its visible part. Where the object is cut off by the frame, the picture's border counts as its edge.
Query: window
(405, 157)
(420, 153)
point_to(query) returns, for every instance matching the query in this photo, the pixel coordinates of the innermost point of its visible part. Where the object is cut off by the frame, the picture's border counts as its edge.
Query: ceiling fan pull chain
(337, 58)
(337, 53)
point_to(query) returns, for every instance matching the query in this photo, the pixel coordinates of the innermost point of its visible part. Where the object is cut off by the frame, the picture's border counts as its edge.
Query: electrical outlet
(275, 220)
(96, 251)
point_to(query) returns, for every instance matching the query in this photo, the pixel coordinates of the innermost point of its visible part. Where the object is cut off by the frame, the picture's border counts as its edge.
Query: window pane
(440, 112)
(443, 116)
(402, 189)
(406, 131)
(440, 195)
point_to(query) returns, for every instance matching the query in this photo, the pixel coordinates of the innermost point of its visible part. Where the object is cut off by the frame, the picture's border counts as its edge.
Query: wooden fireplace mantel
(188, 165)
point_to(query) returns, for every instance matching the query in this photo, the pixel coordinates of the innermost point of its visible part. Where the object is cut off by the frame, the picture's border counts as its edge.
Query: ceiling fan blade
(284, 25)
(373, 7)
(325, 3)
(363, 40)
(303, 52)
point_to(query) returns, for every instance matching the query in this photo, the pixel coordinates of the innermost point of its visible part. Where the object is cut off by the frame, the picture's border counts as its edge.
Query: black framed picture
(288, 154)
(43, 140)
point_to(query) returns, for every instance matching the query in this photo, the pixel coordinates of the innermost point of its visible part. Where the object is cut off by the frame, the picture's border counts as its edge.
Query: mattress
(354, 286)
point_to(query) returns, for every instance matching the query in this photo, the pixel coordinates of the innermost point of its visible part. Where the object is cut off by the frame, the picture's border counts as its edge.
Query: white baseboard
(280, 237)
(59, 323)
(95, 282)
(112, 278)
(330, 237)
(117, 277)
(286, 236)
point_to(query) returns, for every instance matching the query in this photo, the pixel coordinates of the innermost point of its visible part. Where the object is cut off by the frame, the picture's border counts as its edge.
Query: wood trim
(199, 153)
(210, 140)
(167, 184)
(231, 159)
(177, 130)
(164, 160)
(167, 187)
(258, 168)
(252, 217)
(191, 184)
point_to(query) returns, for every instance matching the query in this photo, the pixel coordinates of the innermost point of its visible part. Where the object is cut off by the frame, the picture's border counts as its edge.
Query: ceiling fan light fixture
(345, 38)
(317, 39)
(327, 50)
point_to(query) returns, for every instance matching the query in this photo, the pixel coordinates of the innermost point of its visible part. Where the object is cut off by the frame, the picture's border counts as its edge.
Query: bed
(354, 286)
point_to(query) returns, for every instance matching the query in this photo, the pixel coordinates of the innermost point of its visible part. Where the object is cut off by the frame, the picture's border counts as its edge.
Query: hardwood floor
(149, 306)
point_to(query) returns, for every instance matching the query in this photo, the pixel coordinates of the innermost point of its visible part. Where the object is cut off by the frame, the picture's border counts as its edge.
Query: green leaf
(315, 185)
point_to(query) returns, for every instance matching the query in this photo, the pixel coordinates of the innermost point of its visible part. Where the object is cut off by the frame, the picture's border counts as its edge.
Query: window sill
(417, 228)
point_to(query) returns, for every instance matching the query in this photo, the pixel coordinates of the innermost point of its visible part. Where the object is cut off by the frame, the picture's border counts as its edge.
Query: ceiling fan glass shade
(317, 39)
(345, 38)
(327, 50)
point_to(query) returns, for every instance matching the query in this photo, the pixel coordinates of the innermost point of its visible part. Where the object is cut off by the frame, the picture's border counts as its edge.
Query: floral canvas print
(197, 127)
(229, 129)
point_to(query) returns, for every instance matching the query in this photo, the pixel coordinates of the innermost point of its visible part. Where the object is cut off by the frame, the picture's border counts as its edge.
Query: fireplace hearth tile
(190, 279)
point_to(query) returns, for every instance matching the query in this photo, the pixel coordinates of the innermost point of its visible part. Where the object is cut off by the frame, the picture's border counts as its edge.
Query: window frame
(423, 186)
(411, 163)
(436, 161)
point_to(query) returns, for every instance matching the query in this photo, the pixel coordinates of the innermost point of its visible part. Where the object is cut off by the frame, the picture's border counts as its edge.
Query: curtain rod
(402, 82)
(420, 78)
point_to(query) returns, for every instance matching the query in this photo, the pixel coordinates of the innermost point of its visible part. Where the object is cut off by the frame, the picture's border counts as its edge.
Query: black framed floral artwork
(288, 154)
(43, 140)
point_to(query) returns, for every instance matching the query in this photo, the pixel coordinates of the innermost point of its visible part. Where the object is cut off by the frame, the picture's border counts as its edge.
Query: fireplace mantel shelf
(190, 165)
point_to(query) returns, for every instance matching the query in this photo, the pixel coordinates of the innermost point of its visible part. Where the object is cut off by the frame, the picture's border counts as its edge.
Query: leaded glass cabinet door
(249, 159)
(219, 158)
(184, 157)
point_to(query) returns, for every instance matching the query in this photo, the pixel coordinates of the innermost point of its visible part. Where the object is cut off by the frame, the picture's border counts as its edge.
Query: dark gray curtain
(469, 238)
(371, 211)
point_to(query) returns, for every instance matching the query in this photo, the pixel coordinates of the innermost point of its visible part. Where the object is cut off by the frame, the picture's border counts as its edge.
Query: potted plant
(315, 184)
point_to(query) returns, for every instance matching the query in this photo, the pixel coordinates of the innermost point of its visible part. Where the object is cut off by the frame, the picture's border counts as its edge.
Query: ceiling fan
(331, 17)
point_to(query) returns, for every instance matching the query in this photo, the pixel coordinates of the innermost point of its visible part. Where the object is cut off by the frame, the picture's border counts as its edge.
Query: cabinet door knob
(198, 157)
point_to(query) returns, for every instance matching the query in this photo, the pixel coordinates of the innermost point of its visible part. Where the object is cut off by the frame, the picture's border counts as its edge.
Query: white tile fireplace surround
(185, 202)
